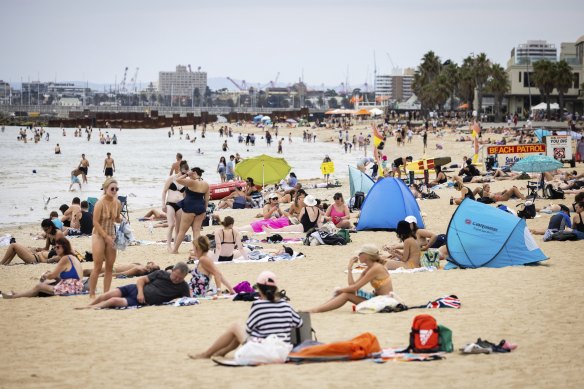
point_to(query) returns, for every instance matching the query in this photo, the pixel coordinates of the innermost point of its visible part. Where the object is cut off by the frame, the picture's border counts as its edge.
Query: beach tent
(542, 106)
(388, 202)
(359, 181)
(483, 236)
(257, 118)
(540, 133)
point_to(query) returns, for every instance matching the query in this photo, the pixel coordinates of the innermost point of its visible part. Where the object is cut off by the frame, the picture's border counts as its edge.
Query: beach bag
(430, 258)
(344, 233)
(385, 303)
(303, 333)
(123, 236)
(553, 193)
(359, 199)
(445, 338)
(424, 337)
(329, 227)
(262, 351)
(331, 239)
(528, 211)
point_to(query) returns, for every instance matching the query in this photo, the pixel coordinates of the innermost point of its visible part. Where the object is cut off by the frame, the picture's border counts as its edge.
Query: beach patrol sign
(559, 147)
(520, 150)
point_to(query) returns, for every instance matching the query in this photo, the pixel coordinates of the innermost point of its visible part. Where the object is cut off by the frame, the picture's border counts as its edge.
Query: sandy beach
(46, 343)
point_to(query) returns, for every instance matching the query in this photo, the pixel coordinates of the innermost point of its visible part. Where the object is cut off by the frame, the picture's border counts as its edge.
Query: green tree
(332, 102)
(564, 79)
(450, 72)
(466, 81)
(544, 77)
(498, 85)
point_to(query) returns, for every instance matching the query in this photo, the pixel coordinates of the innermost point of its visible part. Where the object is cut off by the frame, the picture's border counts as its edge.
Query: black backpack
(359, 198)
(528, 211)
(553, 193)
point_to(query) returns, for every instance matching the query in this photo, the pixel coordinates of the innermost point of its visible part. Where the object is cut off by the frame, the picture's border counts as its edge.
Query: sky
(324, 41)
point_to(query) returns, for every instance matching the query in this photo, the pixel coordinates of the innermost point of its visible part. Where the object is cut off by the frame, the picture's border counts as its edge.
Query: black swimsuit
(307, 224)
(173, 187)
(580, 226)
(230, 257)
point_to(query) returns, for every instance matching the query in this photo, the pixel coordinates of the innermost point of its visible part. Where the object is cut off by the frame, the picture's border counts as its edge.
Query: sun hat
(411, 219)
(266, 278)
(310, 200)
(369, 249)
(273, 196)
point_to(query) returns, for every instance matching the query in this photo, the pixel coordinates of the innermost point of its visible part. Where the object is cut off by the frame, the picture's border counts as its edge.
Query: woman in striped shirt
(269, 315)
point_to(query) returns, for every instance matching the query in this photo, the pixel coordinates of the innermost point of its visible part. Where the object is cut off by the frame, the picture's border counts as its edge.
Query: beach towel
(393, 354)
(181, 302)
(363, 346)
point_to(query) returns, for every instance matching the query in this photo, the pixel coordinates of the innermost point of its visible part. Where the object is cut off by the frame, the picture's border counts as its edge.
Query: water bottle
(452, 201)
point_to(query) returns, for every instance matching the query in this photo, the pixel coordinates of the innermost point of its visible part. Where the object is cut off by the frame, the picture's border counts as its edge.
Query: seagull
(47, 199)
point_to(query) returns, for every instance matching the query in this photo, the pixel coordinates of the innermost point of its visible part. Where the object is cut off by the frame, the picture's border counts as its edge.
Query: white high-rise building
(397, 87)
(533, 51)
(182, 82)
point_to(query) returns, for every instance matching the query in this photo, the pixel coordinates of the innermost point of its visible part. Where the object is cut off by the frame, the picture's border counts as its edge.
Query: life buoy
(219, 191)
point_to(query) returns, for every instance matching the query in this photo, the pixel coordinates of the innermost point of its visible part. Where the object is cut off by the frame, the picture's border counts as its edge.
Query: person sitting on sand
(409, 257)
(201, 274)
(298, 204)
(559, 222)
(73, 214)
(68, 270)
(440, 177)
(426, 239)
(470, 173)
(228, 242)
(375, 274)
(273, 217)
(235, 200)
(339, 213)
(270, 315)
(505, 195)
(123, 270)
(465, 192)
(35, 255)
(311, 217)
(154, 289)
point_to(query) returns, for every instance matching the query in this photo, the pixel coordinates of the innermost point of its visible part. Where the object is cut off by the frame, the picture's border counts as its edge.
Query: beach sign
(520, 151)
(327, 168)
(559, 147)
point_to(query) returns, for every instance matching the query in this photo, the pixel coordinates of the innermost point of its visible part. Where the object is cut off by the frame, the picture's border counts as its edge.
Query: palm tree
(544, 76)
(430, 67)
(498, 85)
(424, 80)
(563, 81)
(481, 72)
(450, 72)
(466, 81)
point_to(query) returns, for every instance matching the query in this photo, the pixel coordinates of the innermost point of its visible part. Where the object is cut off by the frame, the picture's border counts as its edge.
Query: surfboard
(420, 165)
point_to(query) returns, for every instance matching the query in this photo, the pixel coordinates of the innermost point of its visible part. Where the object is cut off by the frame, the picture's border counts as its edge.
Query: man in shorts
(154, 289)
(109, 166)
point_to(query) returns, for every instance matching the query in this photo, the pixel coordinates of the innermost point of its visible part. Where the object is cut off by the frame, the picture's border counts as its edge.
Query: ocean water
(31, 172)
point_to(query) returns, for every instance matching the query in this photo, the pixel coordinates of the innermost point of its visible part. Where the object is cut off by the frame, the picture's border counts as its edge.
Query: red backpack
(424, 336)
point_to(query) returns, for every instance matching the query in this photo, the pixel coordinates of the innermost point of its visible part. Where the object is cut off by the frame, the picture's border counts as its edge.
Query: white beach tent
(543, 106)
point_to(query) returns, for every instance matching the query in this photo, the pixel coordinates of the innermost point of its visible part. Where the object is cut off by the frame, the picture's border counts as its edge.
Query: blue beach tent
(483, 236)
(359, 181)
(388, 202)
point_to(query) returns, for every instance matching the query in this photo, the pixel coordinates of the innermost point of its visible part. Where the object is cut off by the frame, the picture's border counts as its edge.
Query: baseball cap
(267, 278)
(411, 219)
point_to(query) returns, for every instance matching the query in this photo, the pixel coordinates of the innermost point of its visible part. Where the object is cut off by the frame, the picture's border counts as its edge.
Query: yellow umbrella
(264, 169)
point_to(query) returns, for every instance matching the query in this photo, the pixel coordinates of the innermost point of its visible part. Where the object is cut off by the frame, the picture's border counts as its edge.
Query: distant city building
(396, 87)
(5, 92)
(182, 82)
(523, 91)
(533, 51)
(69, 102)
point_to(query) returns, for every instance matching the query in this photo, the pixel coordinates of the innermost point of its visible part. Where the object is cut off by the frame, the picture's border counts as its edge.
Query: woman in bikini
(201, 274)
(375, 274)
(409, 257)
(228, 242)
(31, 255)
(68, 270)
(194, 206)
(505, 195)
(298, 204)
(273, 217)
(235, 200)
(440, 177)
(106, 213)
(426, 239)
(310, 217)
(128, 269)
(338, 212)
(465, 192)
(172, 193)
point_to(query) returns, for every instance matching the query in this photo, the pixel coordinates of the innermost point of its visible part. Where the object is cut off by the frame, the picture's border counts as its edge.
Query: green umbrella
(264, 169)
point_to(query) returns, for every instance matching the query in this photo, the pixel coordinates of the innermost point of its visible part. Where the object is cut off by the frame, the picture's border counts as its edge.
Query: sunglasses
(114, 189)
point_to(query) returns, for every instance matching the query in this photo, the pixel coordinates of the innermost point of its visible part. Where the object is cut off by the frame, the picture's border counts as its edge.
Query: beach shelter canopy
(257, 118)
(221, 119)
(376, 111)
(291, 121)
(483, 236)
(542, 106)
(362, 111)
(541, 133)
(388, 202)
(265, 119)
(263, 169)
(359, 181)
(536, 164)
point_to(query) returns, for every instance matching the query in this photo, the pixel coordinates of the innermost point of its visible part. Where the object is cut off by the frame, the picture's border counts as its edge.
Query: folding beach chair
(91, 201)
(534, 186)
(125, 211)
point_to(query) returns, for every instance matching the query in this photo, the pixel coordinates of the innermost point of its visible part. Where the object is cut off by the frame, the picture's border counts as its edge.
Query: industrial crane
(241, 88)
(123, 83)
(395, 69)
(134, 80)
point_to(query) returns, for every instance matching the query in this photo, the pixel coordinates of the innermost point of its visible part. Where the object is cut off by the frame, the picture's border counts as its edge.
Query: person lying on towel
(154, 289)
